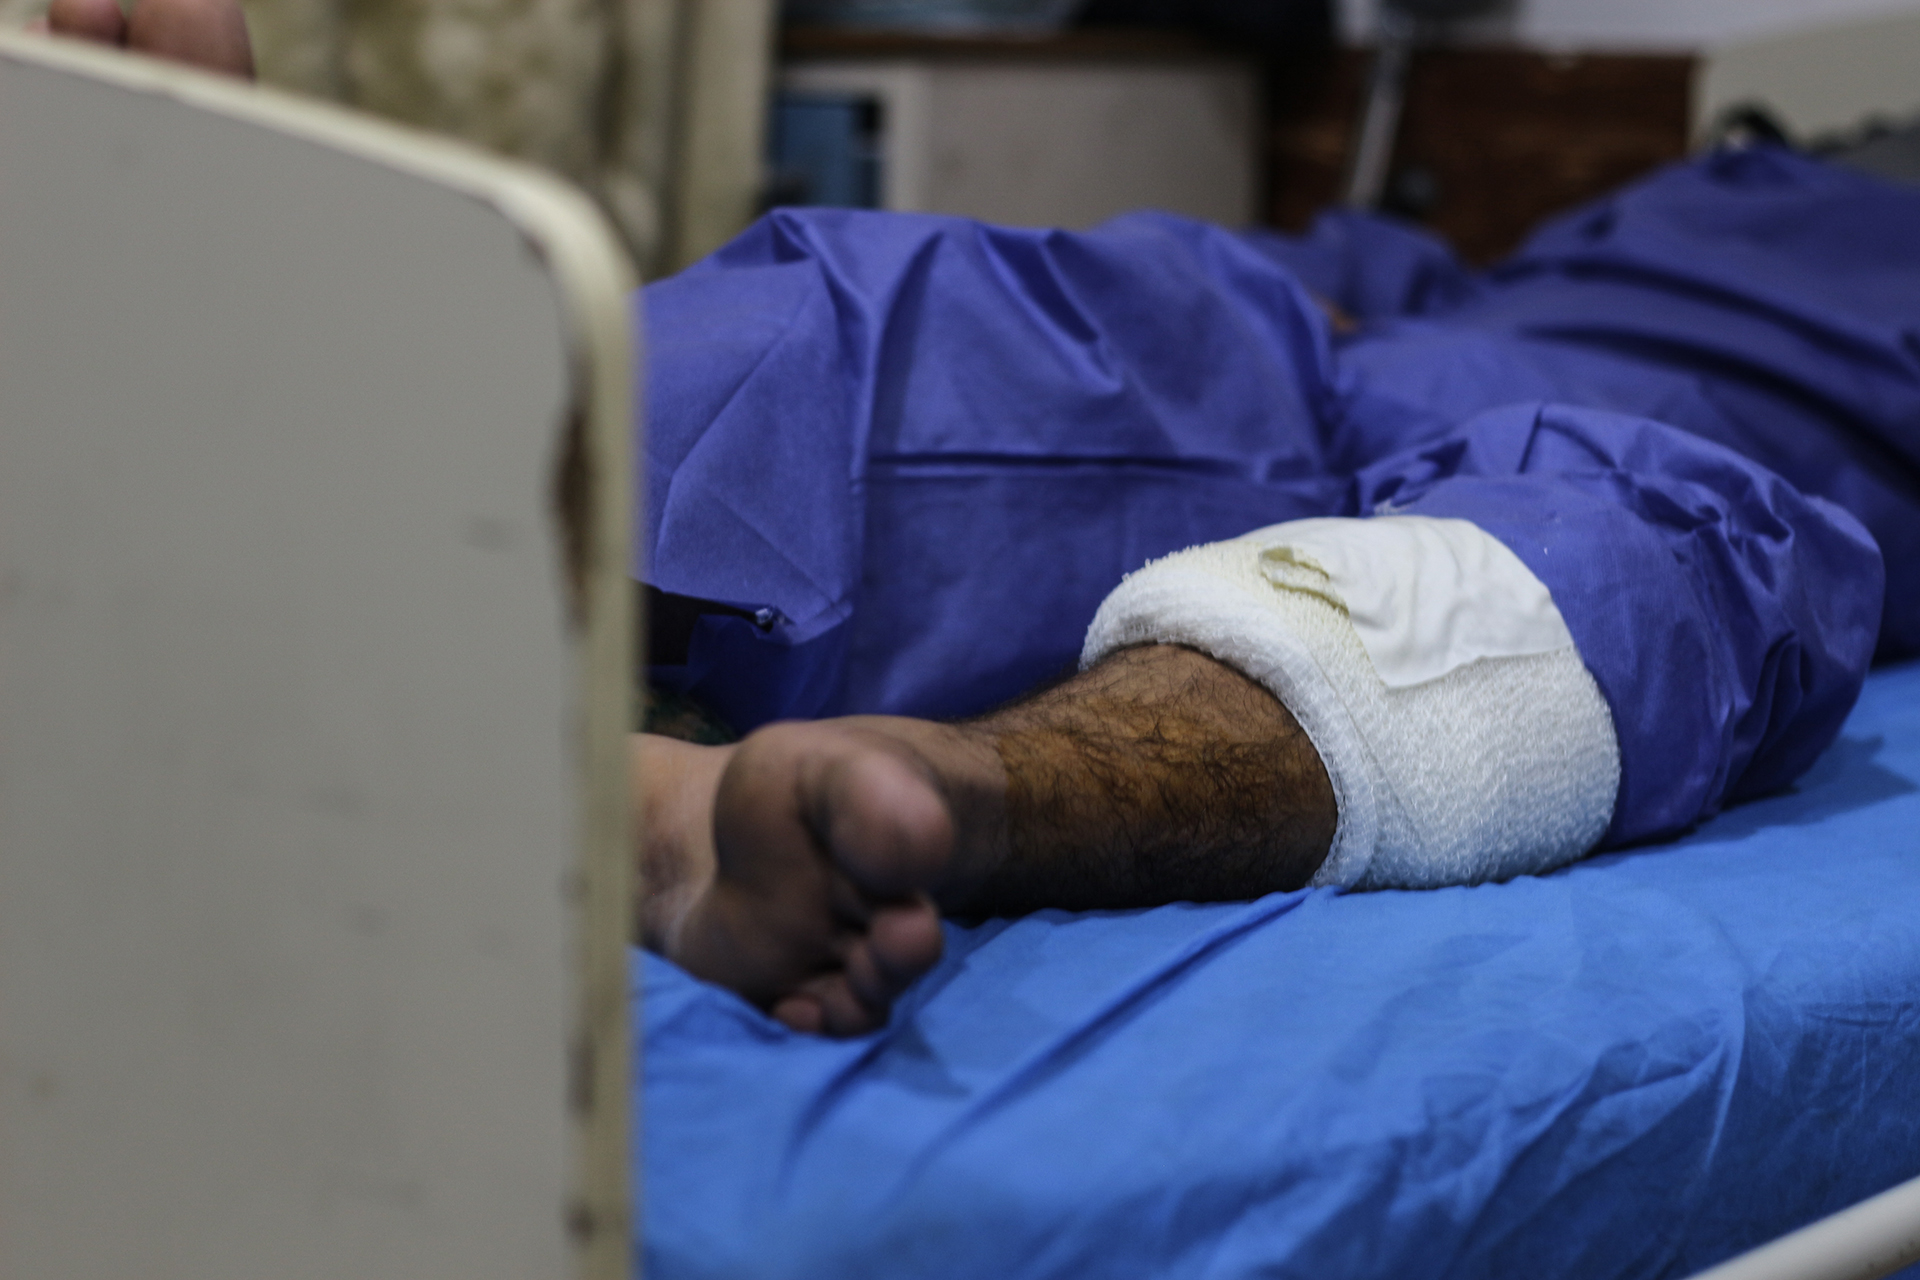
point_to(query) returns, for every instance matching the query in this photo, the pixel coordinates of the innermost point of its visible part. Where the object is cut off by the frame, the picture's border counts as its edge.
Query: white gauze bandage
(1465, 739)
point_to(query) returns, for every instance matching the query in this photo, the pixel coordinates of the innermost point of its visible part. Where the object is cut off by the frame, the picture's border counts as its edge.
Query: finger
(211, 34)
(97, 20)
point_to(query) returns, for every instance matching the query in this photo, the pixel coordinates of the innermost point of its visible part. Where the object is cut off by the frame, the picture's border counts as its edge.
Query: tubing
(1380, 120)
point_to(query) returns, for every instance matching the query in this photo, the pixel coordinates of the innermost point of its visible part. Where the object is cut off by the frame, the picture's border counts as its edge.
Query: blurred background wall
(656, 107)
(1618, 25)
(1053, 111)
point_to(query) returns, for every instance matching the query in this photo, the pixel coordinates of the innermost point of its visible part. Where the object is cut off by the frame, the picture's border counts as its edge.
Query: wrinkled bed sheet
(1635, 1067)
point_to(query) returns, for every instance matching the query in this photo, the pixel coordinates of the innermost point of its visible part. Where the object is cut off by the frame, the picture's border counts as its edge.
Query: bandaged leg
(1595, 631)
(1463, 736)
(1558, 629)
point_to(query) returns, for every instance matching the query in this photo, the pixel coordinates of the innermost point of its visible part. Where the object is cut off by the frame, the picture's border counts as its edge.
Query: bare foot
(209, 34)
(805, 866)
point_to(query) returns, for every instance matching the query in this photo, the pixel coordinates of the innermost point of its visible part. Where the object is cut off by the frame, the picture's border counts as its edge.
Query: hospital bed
(1641, 1066)
(1638, 1066)
(328, 1028)
(313, 658)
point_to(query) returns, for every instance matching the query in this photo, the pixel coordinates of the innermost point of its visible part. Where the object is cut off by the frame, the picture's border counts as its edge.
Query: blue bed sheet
(1635, 1067)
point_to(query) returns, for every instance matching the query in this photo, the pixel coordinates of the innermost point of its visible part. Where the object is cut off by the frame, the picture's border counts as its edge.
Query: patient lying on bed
(1525, 578)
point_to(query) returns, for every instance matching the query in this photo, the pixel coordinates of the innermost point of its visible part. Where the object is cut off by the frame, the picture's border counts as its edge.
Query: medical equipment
(1399, 26)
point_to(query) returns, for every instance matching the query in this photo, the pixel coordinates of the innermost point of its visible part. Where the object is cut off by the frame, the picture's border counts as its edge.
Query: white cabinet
(1032, 141)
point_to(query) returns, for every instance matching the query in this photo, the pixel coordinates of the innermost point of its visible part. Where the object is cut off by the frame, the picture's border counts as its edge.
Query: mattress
(1634, 1067)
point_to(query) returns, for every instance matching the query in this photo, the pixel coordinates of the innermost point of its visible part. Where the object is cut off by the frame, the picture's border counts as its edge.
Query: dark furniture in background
(1492, 139)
